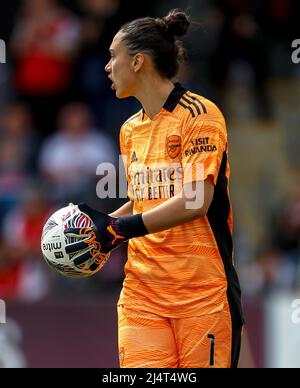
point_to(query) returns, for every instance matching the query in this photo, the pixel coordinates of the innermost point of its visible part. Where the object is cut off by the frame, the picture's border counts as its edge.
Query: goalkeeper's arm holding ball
(112, 230)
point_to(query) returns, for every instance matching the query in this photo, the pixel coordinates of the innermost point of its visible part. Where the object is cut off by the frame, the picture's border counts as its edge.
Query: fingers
(78, 232)
(78, 246)
(83, 258)
(94, 266)
(86, 247)
(100, 260)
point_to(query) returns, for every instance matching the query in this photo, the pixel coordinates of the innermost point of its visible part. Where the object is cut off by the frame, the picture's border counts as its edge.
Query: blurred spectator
(242, 51)
(279, 20)
(278, 272)
(100, 21)
(69, 158)
(6, 87)
(10, 272)
(277, 264)
(18, 143)
(270, 271)
(11, 353)
(286, 232)
(286, 226)
(7, 16)
(24, 271)
(90, 79)
(44, 43)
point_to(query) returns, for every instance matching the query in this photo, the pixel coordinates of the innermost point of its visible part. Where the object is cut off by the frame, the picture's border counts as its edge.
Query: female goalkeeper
(180, 303)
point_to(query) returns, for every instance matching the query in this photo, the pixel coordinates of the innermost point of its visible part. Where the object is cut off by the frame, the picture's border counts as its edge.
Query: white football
(54, 241)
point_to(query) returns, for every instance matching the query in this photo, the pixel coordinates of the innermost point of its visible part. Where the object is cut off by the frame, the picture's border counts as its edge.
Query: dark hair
(157, 37)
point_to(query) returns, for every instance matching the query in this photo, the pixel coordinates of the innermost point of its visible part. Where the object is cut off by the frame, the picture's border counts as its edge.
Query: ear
(138, 62)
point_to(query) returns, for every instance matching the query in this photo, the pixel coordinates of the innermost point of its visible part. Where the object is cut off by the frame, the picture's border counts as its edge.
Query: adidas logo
(134, 157)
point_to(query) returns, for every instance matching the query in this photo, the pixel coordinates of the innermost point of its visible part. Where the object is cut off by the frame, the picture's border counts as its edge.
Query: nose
(108, 67)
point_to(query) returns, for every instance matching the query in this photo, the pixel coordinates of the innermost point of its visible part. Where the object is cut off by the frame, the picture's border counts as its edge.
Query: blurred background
(56, 104)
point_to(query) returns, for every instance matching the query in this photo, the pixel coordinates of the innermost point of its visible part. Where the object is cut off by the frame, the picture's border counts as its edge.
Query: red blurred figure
(44, 43)
(24, 275)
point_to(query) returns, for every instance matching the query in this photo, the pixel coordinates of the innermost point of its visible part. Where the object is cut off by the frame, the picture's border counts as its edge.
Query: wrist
(132, 226)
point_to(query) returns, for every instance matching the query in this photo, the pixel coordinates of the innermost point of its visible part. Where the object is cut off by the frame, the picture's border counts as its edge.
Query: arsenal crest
(174, 146)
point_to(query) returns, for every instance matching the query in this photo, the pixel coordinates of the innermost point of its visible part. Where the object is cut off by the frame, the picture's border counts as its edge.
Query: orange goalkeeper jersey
(187, 270)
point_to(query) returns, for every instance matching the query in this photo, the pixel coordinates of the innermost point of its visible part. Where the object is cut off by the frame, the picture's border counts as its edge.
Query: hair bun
(177, 23)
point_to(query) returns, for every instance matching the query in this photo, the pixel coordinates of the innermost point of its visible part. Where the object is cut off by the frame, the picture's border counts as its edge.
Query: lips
(113, 86)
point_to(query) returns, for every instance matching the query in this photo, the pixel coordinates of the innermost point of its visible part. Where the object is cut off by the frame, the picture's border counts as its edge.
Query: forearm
(124, 211)
(168, 215)
(176, 210)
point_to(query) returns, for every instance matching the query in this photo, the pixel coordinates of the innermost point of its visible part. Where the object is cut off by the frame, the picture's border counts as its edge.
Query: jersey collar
(174, 97)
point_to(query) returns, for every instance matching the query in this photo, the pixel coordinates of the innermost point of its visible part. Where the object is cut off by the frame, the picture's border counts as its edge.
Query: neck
(153, 94)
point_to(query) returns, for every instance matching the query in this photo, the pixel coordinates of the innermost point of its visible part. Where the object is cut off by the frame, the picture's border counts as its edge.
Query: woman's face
(120, 68)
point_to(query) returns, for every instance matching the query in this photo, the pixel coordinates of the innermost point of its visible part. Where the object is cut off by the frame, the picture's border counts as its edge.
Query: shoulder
(197, 108)
(134, 119)
(201, 108)
(130, 123)
(201, 117)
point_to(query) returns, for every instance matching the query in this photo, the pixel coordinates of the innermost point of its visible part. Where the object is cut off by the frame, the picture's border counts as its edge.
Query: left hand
(102, 238)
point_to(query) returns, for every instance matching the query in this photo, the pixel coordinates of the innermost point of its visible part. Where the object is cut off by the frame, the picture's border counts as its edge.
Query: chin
(122, 94)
